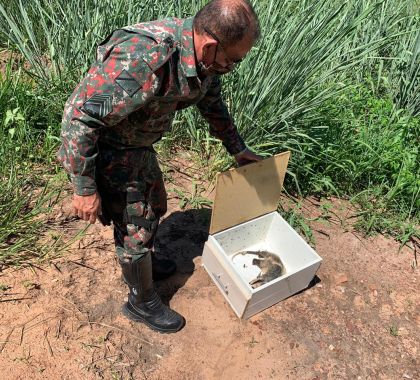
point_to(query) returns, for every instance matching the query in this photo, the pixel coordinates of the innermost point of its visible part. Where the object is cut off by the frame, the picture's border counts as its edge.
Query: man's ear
(209, 47)
(209, 44)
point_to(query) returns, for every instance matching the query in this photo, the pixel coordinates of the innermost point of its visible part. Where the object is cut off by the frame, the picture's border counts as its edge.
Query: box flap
(247, 192)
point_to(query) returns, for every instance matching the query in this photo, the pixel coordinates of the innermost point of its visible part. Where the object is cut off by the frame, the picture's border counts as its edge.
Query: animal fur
(270, 265)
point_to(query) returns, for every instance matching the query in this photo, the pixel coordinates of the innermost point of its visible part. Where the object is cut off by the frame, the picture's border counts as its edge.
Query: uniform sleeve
(214, 110)
(115, 86)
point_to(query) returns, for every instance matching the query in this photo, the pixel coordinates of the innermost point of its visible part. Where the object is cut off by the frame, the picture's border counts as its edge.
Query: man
(142, 75)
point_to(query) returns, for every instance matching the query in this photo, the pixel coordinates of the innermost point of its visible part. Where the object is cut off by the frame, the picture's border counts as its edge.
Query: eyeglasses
(232, 63)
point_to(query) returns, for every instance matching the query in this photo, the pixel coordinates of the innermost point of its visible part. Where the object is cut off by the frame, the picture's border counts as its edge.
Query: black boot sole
(137, 318)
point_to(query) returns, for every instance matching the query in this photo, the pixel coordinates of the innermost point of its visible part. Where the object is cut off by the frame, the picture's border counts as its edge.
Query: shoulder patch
(98, 106)
(127, 83)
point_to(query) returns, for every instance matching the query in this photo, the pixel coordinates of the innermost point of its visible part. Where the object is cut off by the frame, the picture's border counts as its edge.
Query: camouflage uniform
(142, 75)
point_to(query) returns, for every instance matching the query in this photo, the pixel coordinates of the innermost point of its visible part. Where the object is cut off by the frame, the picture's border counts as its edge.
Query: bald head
(231, 20)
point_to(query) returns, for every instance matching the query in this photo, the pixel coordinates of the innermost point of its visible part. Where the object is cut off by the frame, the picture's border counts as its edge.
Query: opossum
(270, 265)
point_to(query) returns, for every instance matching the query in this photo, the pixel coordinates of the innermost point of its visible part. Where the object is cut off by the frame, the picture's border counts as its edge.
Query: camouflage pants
(133, 197)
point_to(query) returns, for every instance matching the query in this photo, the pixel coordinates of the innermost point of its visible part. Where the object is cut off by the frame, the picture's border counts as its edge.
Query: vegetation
(335, 82)
(26, 158)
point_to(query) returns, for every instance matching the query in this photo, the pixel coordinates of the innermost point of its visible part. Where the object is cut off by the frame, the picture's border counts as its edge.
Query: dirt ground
(359, 321)
(7, 57)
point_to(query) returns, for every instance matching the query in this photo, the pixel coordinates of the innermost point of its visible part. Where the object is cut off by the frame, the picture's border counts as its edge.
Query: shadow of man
(181, 237)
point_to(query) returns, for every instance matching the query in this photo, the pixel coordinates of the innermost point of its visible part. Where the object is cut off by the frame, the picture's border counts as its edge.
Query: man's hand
(87, 207)
(247, 157)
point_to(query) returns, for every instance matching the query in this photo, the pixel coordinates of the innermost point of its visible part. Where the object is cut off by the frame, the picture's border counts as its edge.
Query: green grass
(27, 189)
(369, 152)
(337, 83)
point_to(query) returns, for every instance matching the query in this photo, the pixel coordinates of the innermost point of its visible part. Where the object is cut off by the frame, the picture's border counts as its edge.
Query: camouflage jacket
(142, 75)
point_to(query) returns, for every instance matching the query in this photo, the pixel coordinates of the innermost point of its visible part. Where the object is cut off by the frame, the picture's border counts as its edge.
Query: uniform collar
(187, 49)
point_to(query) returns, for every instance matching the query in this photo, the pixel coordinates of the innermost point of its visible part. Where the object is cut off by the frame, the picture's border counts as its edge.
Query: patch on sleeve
(127, 83)
(98, 106)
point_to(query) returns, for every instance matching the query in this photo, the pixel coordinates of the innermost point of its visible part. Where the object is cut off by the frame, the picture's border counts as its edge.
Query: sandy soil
(360, 321)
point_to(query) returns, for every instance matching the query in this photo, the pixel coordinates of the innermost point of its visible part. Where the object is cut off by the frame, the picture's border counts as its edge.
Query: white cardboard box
(244, 218)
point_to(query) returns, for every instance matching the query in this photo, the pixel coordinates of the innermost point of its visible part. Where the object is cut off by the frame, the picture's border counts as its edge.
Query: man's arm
(214, 110)
(114, 87)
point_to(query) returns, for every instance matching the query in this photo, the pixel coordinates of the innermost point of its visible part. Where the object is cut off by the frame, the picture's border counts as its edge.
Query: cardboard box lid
(247, 192)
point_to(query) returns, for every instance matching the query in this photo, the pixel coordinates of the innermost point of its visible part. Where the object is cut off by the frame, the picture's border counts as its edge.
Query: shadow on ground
(181, 237)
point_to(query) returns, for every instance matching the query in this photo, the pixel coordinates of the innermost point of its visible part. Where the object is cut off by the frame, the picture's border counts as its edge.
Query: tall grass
(408, 94)
(373, 156)
(59, 38)
(27, 144)
(302, 40)
(313, 54)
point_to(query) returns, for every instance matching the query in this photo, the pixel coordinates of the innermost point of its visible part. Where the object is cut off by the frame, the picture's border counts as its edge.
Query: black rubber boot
(144, 304)
(162, 268)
